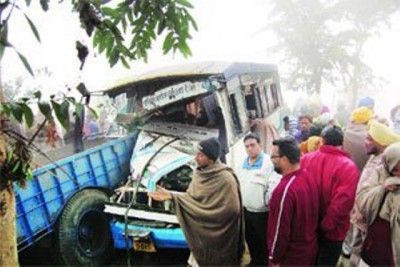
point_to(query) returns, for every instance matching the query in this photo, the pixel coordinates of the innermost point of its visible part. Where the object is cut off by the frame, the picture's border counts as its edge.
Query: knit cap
(211, 148)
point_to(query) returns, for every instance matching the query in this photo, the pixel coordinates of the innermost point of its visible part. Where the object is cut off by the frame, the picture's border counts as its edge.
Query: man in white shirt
(257, 180)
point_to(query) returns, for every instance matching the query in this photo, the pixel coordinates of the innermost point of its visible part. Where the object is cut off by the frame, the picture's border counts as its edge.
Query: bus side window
(269, 99)
(263, 99)
(235, 114)
(257, 97)
(253, 101)
(275, 96)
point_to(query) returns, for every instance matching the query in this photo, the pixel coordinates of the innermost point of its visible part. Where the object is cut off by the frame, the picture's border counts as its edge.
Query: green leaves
(45, 108)
(62, 112)
(185, 49)
(3, 38)
(37, 95)
(78, 109)
(5, 109)
(22, 110)
(127, 30)
(5, 43)
(28, 114)
(45, 4)
(33, 28)
(125, 63)
(110, 12)
(185, 3)
(168, 42)
(124, 30)
(19, 111)
(25, 62)
(113, 58)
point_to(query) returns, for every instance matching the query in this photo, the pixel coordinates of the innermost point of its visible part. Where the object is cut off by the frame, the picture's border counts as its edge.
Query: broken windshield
(184, 102)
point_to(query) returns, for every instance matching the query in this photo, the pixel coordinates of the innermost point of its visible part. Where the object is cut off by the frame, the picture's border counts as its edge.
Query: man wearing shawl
(379, 200)
(210, 212)
(355, 135)
(378, 138)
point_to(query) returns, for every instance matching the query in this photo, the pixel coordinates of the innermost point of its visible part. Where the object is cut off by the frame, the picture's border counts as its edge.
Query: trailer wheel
(83, 233)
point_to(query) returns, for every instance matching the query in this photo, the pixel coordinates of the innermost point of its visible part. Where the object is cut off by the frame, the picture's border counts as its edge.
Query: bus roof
(191, 70)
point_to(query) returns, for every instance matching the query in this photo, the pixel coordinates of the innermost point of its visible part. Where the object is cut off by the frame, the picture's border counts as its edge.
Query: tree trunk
(8, 230)
(318, 81)
(357, 72)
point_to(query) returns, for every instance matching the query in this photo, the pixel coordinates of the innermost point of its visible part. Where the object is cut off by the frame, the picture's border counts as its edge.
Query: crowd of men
(324, 191)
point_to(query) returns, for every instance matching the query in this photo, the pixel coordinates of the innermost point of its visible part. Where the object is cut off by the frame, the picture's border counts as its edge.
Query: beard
(278, 169)
(372, 150)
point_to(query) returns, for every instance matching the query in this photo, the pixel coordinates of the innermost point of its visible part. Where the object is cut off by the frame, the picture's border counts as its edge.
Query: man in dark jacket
(293, 210)
(336, 176)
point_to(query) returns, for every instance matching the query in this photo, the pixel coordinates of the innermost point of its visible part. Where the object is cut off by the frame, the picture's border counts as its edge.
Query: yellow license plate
(145, 245)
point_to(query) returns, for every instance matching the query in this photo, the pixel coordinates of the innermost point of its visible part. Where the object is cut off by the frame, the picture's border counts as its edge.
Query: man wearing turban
(354, 144)
(379, 137)
(382, 134)
(355, 134)
(369, 102)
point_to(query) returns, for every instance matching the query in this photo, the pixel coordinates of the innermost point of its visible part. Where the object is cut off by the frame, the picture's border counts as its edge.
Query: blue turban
(367, 101)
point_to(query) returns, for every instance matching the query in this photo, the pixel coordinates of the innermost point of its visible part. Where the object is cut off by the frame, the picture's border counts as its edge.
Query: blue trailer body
(39, 205)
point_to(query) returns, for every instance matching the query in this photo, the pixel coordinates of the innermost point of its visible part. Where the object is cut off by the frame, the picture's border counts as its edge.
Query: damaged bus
(173, 109)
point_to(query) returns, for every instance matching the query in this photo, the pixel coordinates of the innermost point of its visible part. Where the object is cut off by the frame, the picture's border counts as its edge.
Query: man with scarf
(379, 137)
(210, 212)
(355, 135)
(379, 200)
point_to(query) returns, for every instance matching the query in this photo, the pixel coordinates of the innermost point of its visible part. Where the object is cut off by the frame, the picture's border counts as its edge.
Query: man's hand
(392, 184)
(391, 188)
(161, 194)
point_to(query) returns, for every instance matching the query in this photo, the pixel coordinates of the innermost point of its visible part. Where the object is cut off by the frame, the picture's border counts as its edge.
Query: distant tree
(11, 89)
(25, 86)
(121, 30)
(323, 41)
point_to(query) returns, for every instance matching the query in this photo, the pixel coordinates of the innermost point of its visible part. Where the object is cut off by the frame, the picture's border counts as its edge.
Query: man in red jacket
(336, 176)
(293, 209)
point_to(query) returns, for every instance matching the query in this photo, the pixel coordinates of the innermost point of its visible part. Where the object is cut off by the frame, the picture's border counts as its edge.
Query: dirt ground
(164, 257)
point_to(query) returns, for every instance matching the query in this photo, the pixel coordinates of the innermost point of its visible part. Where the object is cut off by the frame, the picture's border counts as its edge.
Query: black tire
(83, 234)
